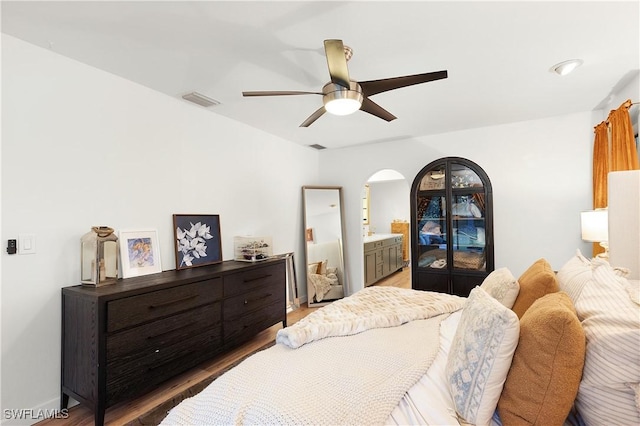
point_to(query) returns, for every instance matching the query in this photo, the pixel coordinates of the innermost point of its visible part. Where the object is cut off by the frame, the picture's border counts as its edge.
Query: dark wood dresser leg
(64, 401)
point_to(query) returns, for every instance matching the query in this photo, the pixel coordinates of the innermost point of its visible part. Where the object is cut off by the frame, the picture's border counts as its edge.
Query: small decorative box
(252, 249)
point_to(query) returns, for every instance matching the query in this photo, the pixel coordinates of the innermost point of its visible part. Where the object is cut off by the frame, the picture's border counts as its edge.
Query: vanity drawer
(372, 245)
(268, 276)
(134, 310)
(159, 334)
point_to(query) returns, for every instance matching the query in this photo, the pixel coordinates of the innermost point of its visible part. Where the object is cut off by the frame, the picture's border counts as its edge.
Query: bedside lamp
(595, 228)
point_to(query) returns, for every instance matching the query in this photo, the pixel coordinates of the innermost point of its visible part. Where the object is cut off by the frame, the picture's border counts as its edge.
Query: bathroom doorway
(386, 215)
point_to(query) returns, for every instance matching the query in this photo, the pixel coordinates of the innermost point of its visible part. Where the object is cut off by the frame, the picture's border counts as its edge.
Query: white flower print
(192, 242)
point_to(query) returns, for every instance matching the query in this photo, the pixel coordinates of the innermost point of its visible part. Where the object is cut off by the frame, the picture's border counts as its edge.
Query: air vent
(200, 99)
(318, 147)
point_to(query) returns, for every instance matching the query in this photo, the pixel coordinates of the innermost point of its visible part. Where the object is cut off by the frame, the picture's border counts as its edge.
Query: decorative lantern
(99, 251)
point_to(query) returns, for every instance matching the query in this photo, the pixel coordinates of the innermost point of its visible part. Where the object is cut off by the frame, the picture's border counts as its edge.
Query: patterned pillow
(480, 356)
(608, 392)
(535, 282)
(502, 286)
(547, 366)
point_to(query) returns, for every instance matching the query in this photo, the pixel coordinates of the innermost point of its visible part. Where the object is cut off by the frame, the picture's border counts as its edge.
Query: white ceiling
(497, 54)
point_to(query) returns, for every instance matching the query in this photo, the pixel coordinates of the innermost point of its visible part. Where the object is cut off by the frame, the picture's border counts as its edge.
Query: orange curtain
(622, 151)
(600, 170)
(624, 155)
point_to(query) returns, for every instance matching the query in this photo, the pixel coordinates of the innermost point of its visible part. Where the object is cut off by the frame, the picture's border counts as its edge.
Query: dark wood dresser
(121, 340)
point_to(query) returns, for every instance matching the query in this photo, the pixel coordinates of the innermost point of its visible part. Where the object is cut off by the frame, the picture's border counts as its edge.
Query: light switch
(26, 244)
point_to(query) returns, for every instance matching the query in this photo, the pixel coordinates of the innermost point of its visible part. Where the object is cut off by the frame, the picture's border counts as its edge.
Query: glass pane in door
(431, 232)
(464, 177)
(468, 231)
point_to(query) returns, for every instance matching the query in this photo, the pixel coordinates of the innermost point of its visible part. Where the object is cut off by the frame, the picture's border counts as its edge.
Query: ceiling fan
(343, 96)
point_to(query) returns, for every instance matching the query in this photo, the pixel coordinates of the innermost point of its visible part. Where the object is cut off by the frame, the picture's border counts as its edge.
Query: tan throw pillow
(547, 366)
(535, 282)
(322, 268)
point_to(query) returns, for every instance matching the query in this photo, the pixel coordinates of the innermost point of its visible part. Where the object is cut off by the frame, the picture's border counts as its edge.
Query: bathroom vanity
(382, 256)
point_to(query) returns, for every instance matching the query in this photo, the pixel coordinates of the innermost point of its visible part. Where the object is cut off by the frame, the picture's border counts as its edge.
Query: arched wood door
(451, 227)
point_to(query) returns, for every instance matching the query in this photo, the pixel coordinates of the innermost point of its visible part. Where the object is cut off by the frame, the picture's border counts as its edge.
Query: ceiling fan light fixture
(566, 67)
(339, 100)
(342, 106)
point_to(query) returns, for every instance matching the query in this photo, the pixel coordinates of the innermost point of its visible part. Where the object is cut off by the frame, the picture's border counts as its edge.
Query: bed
(542, 349)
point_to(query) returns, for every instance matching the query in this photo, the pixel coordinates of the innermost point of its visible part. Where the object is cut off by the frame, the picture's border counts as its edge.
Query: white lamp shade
(595, 225)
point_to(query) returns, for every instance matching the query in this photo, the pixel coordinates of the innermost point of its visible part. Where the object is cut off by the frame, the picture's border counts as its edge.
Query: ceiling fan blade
(278, 93)
(337, 62)
(374, 109)
(313, 117)
(372, 87)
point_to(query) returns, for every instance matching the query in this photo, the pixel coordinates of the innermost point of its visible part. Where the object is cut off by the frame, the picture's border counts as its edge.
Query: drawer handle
(246, 301)
(172, 302)
(257, 278)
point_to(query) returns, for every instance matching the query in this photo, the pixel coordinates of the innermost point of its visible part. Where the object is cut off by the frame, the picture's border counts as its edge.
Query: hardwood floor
(128, 412)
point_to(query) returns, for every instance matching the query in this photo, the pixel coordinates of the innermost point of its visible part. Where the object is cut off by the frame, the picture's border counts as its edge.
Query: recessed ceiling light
(564, 68)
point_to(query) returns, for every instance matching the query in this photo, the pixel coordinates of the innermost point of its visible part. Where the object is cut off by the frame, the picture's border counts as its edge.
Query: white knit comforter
(372, 307)
(355, 380)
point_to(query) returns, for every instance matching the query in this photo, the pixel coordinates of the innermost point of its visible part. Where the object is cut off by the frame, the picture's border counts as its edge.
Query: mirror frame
(307, 234)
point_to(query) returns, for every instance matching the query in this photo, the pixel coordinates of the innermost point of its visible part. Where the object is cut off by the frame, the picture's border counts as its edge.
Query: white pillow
(502, 286)
(608, 392)
(480, 356)
(574, 275)
(577, 272)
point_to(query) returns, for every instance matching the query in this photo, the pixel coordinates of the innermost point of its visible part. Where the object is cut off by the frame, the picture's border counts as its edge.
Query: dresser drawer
(127, 377)
(245, 327)
(266, 276)
(159, 334)
(131, 311)
(244, 304)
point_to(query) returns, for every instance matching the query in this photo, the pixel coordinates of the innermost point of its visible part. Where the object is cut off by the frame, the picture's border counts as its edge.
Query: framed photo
(140, 252)
(309, 235)
(197, 238)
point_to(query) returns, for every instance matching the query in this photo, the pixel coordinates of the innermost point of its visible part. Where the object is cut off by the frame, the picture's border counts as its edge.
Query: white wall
(389, 200)
(540, 172)
(82, 147)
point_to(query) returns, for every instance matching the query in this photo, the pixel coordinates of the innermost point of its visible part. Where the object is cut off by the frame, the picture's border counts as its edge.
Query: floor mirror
(324, 244)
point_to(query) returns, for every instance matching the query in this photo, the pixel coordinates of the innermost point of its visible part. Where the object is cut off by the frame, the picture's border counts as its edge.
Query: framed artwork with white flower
(140, 252)
(197, 238)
